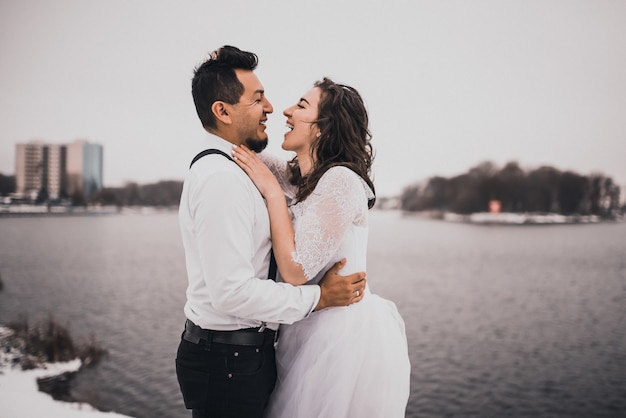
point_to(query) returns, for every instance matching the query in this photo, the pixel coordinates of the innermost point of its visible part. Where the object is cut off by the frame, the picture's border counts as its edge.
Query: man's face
(250, 114)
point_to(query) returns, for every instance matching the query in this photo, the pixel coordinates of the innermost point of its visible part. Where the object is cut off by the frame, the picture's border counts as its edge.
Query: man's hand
(340, 290)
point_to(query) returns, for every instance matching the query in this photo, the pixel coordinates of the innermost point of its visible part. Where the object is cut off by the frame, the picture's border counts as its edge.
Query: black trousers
(223, 380)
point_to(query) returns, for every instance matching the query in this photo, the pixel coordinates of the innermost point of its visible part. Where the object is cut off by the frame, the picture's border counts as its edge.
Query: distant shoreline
(486, 218)
(17, 211)
(480, 218)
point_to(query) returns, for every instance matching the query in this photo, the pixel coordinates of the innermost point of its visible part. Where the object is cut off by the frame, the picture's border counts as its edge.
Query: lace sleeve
(279, 168)
(338, 201)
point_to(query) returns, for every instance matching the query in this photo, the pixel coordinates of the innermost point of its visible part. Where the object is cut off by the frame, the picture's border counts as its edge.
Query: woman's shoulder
(340, 172)
(341, 178)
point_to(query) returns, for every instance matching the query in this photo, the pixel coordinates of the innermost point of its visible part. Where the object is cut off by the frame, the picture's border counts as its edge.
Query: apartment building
(58, 170)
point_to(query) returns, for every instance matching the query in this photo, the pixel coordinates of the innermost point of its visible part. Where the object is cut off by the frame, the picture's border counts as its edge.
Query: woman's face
(300, 117)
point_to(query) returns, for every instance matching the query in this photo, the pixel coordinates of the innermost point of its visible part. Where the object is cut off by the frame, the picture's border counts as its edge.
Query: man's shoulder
(214, 165)
(208, 152)
(217, 176)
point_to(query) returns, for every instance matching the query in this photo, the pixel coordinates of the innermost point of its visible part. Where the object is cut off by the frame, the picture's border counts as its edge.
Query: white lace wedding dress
(347, 361)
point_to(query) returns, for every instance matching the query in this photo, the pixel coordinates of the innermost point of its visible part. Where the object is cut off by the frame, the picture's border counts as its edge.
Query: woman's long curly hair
(344, 138)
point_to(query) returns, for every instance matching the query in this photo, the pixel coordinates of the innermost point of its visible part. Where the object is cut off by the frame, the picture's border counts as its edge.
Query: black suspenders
(272, 272)
(207, 152)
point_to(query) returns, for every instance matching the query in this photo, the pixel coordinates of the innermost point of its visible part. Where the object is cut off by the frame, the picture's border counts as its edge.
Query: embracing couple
(340, 351)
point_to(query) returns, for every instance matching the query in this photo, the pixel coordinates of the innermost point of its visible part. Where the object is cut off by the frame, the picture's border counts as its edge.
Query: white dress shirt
(226, 234)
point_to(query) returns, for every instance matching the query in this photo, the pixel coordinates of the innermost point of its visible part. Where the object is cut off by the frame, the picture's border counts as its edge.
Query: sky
(448, 83)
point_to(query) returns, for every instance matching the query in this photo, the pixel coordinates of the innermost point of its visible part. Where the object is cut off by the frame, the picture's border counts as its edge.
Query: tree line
(163, 193)
(542, 190)
(7, 184)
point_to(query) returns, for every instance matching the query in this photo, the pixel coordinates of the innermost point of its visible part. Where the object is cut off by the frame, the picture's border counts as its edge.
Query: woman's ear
(316, 130)
(221, 112)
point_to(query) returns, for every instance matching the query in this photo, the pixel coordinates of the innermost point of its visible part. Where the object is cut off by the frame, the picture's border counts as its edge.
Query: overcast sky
(448, 84)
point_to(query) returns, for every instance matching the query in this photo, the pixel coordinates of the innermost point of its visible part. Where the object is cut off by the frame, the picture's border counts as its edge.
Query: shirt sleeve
(224, 220)
(338, 201)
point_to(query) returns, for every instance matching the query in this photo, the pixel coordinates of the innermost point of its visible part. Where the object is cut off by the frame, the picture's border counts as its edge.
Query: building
(53, 171)
(84, 168)
(29, 161)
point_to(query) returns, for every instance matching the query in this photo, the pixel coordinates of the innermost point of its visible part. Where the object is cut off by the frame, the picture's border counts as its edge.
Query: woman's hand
(283, 241)
(258, 172)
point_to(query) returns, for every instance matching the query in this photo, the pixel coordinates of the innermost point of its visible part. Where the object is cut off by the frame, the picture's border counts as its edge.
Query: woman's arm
(283, 241)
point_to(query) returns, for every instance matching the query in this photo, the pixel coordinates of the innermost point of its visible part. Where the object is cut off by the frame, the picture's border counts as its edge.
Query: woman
(339, 362)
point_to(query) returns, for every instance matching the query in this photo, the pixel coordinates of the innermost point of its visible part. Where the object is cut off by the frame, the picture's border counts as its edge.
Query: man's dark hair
(215, 80)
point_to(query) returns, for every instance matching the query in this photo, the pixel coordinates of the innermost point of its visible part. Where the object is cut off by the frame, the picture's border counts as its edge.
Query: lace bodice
(329, 224)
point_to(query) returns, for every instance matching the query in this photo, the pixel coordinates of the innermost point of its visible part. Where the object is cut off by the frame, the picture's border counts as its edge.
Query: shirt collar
(214, 141)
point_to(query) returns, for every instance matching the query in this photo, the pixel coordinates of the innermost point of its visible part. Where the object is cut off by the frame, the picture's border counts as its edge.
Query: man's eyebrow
(302, 99)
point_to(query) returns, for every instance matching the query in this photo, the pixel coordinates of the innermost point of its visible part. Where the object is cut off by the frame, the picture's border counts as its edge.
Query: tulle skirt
(343, 362)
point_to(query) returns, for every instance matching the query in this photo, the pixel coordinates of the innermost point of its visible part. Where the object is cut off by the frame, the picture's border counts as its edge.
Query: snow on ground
(20, 397)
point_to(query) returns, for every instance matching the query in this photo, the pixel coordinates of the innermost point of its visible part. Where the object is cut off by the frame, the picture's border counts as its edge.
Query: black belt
(248, 336)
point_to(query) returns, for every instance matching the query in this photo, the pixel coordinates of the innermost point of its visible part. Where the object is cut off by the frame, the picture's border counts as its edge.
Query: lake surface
(514, 321)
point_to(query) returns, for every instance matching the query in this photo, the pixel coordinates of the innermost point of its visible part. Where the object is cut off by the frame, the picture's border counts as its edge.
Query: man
(225, 362)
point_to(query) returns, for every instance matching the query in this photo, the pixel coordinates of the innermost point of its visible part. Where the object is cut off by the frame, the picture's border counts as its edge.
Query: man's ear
(221, 112)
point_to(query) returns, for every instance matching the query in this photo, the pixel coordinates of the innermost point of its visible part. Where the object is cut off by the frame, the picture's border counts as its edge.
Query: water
(501, 321)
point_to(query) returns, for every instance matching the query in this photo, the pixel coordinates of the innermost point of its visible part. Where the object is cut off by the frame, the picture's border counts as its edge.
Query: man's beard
(256, 145)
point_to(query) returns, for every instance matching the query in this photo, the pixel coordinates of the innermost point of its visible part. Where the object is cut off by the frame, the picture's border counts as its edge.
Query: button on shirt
(226, 234)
